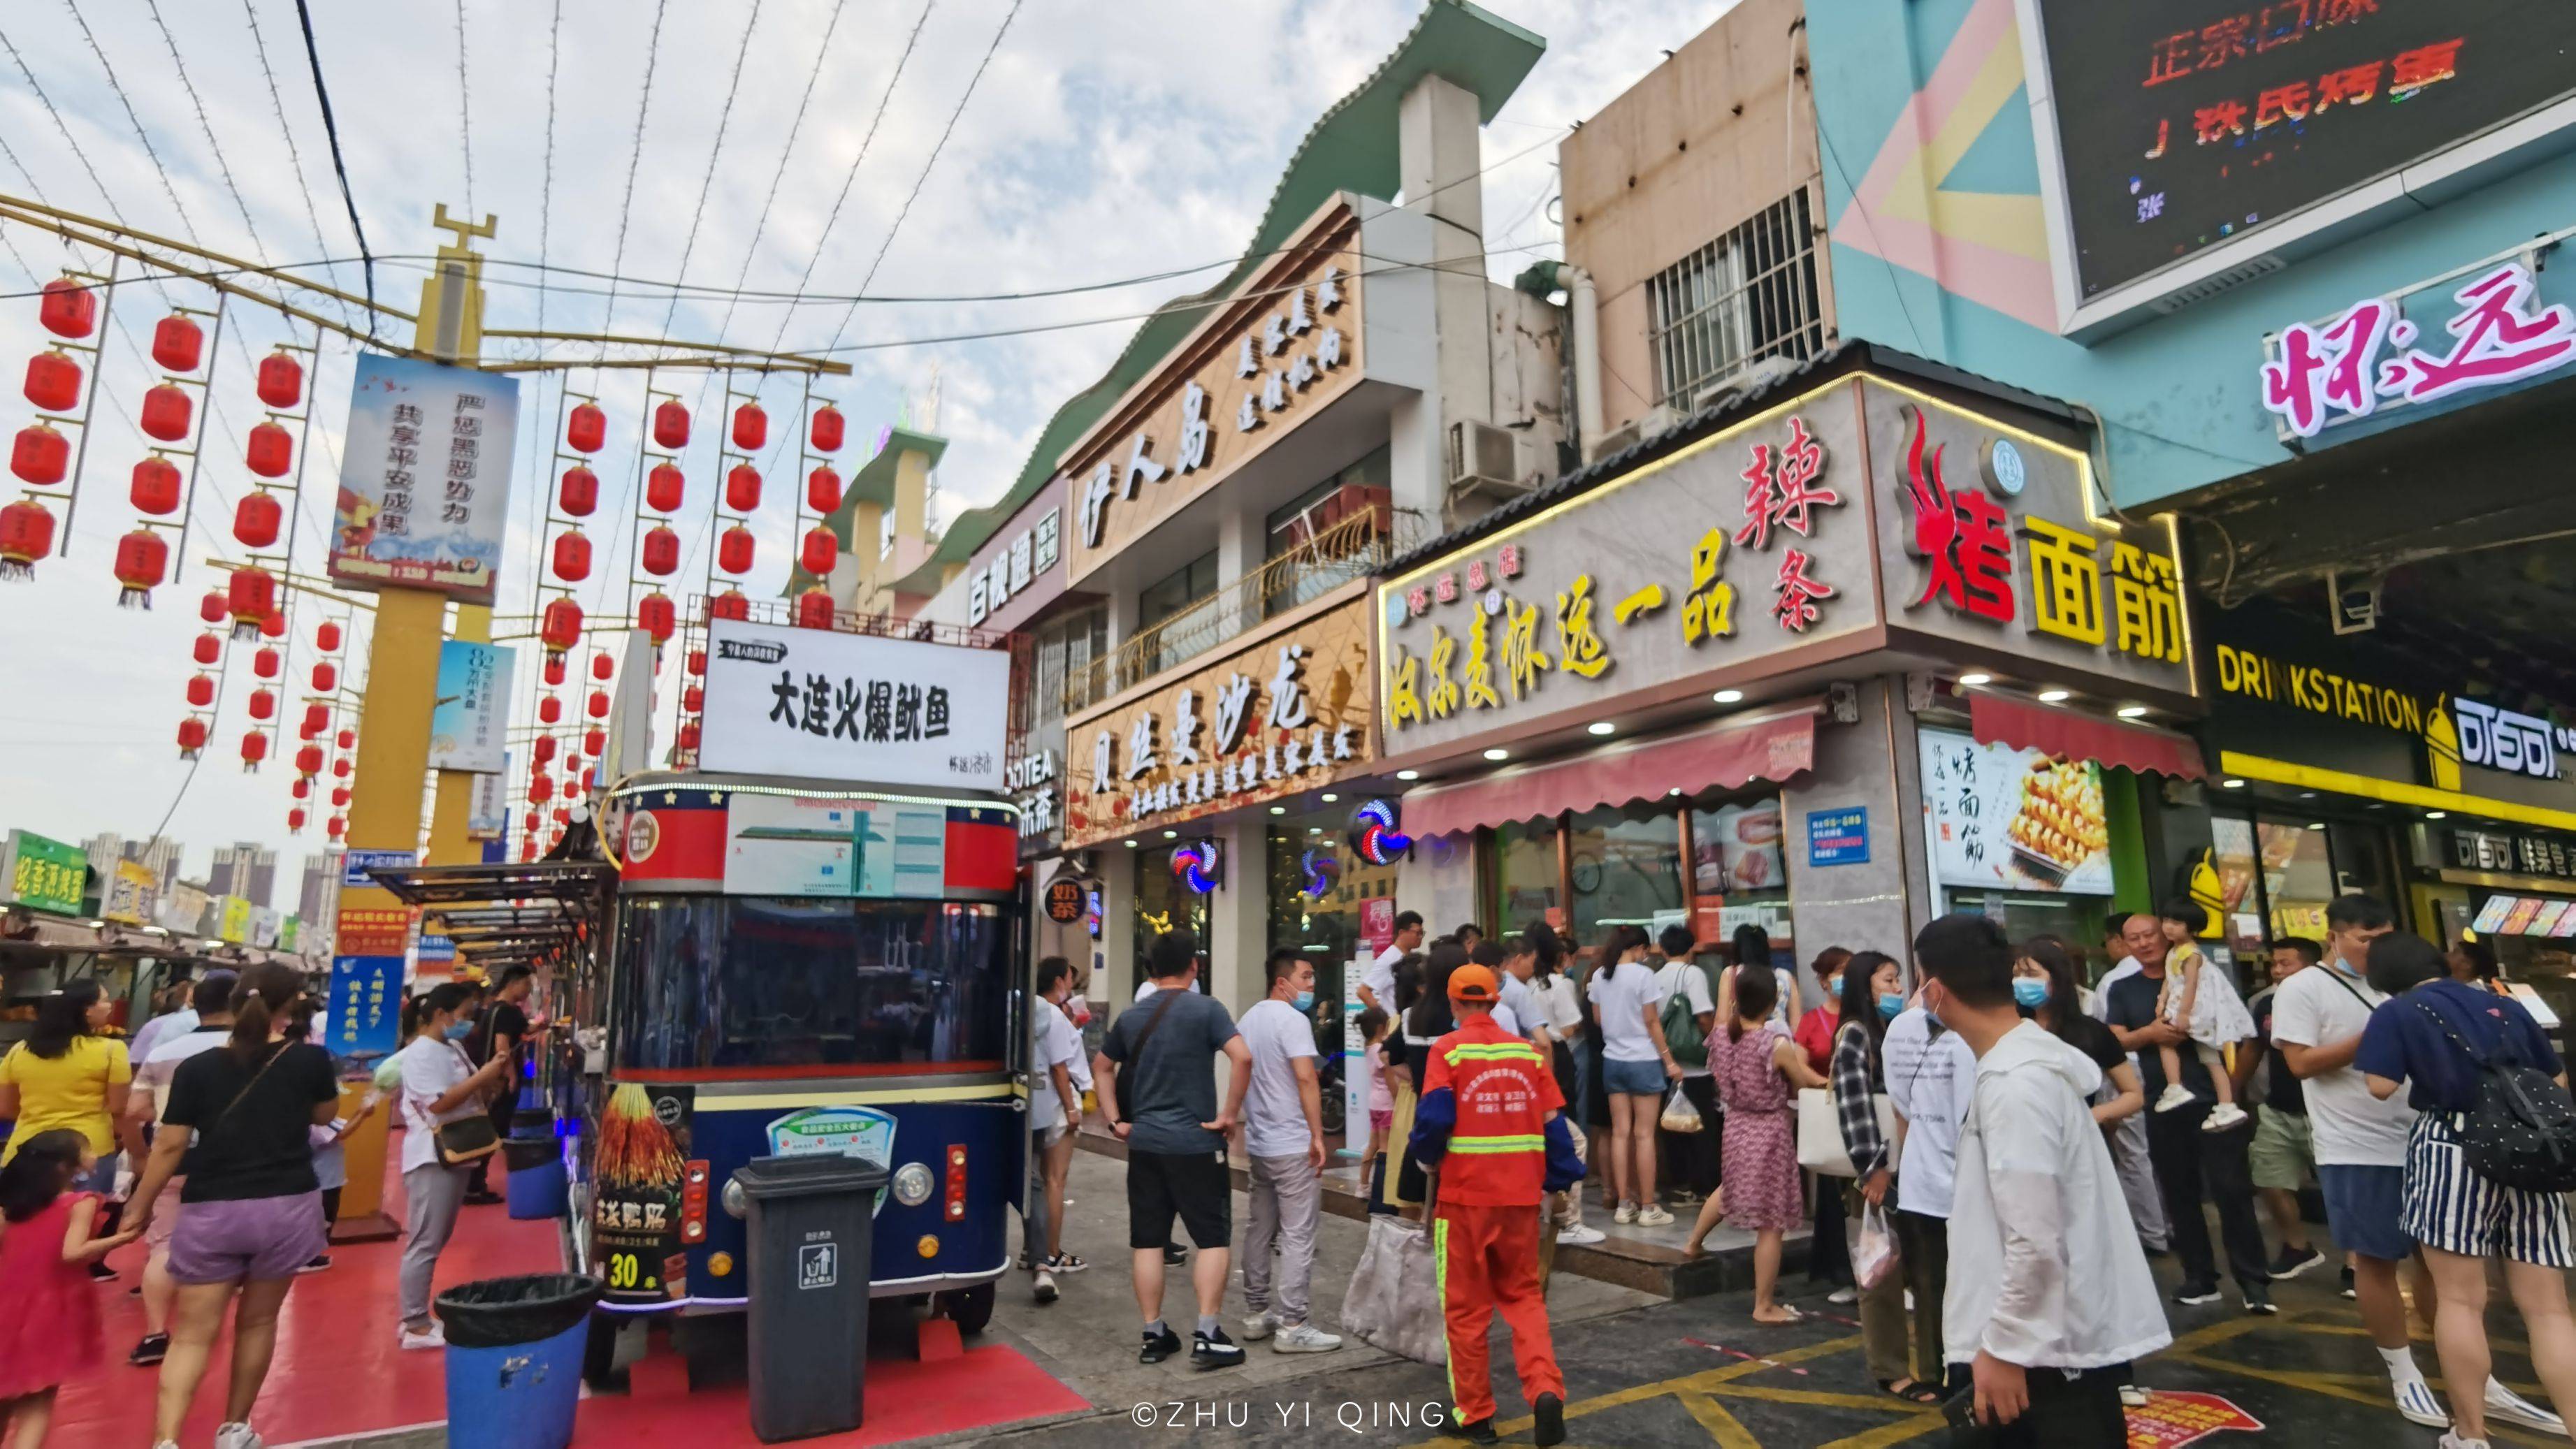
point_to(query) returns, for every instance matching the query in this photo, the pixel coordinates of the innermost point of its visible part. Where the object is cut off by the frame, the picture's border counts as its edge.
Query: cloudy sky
(780, 141)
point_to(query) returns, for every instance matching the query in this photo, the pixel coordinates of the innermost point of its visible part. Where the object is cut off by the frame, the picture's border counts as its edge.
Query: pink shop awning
(2002, 720)
(1727, 755)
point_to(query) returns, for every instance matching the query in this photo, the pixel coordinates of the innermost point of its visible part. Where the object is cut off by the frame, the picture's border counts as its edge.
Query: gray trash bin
(809, 1220)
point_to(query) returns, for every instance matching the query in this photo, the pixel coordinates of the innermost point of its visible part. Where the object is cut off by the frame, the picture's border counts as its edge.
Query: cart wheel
(969, 1308)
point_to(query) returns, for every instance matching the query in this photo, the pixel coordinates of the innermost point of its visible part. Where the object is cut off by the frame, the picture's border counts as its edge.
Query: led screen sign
(2184, 123)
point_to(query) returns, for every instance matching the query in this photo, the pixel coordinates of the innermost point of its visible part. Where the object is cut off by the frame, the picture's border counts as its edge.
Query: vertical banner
(366, 999)
(424, 478)
(466, 724)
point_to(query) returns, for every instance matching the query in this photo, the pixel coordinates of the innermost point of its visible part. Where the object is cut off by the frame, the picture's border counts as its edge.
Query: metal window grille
(1747, 296)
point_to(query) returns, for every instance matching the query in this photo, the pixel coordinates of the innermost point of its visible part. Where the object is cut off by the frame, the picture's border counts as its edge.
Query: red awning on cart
(1727, 755)
(1998, 719)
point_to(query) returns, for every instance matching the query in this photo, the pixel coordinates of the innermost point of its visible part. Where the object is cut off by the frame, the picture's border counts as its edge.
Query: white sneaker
(1044, 1288)
(2416, 1404)
(1627, 1213)
(2454, 1441)
(2512, 1408)
(1653, 1217)
(1578, 1236)
(2132, 1397)
(435, 1338)
(1305, 1338)
(2175, 1098)
(1843, 1295)
(2224, 1116)
(1260, 1326)
(238, 1436)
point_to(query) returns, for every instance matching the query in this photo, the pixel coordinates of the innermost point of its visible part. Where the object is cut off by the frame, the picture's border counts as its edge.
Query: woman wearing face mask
(1828, 1253)
(439, 1086)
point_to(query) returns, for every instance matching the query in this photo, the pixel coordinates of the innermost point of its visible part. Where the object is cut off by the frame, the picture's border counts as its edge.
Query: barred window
(1747, 296)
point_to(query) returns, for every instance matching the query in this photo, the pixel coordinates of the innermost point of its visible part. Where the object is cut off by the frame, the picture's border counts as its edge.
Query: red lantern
(326, 637)
(814, 609)
(265, 663)
(201, 691)
(528, 847)
(561, 625)
(253, 597)
(156, 487)
(542, 748)
(531, 821)
(541, 789)
(270, 451)
(142, 562)
(733, 554)
(563, 816)
(572, 773)
(580, 492)
(820, 548)
(339, 793)
(594, 741)
(586, 428)
(671, 426)
(326, 677)
(742, 488)
(317, 719)
(750, 427)
(697, 661)
(214, 608)
(166, 412)
(823, 489)
(536, 769)
(302, 789)
(572, 556)
(337, 826)
(295, 821)
(308, 761)
(729, 605)
(192, 737)
(41, 456)
(602, 667)
(263, 703)
(274, 626)
(178, 344)
(657, 616)
(69, 309)
(281, 381)
(693, 699)
(254, 750)
(257, 518)
(661, 551)
(53, 381)
(549, 709)
(598, 704)
(664, 488)
(828, 430)
(554, 670)
(26, 535)
(688, 740)
(347, 740)
(210, 647)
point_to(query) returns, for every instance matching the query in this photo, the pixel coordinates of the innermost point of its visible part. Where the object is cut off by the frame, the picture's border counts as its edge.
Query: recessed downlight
(2437, 814)
(1498, 753)
(1408, 774)
(2231, 783)
(2133, 711)
(1171, 835)
(1972, 680)
(1601, 727)
(1278, 809)
(2055, 696)
(1728, 696)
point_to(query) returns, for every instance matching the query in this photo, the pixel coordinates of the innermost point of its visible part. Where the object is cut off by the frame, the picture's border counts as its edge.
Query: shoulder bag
(1136, 1053)
(467, 1139)
(1821, 1149)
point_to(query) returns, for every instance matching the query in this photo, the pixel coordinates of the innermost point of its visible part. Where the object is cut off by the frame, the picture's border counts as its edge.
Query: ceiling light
(1171, 835)
(1498, 753)
(2437, 814)
(2231, 783)
(2055, 696)
(1601, 727)
(1673, 791)
(2133, 711)
(1131, 845)
(1970, 680)
(1278, 809)
(2316, 825)
(1408, 774)
(1329, 797)
(1728, 696)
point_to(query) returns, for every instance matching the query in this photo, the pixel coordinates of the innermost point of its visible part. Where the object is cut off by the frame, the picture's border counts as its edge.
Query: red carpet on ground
(338, 1371)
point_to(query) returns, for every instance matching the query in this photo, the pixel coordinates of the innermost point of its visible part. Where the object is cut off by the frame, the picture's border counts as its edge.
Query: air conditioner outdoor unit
(1760, 374)
(1482, 456)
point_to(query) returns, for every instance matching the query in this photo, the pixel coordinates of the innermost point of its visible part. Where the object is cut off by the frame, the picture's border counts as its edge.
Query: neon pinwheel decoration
(1321, 871)
(1200, 865)
(1373, 834)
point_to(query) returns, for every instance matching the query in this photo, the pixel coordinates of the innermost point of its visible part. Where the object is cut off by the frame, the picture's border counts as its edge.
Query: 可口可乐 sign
(830, 706)
(424, 478)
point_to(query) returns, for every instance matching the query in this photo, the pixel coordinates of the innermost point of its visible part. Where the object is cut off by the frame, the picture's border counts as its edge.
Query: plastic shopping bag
(1873, 1253)
(1394, 1297)
(1679, 1114)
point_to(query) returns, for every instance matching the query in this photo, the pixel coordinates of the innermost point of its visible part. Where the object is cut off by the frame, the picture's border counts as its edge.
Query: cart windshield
(786, 986)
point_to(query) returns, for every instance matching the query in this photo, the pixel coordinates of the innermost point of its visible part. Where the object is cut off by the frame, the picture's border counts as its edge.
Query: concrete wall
(1877, 904)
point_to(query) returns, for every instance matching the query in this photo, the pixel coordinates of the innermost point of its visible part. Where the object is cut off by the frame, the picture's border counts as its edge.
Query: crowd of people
(214, 1137)
(2009, 1146)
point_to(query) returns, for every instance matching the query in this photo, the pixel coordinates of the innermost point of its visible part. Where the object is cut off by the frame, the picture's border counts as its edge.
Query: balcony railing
(1353, 548)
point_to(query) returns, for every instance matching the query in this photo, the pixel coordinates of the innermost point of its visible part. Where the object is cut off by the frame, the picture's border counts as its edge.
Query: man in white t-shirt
(1931, 1078)
(1055, 1114)
(1283, 1134)
(210, 1017)
(1377, 987)
(1690, 1158)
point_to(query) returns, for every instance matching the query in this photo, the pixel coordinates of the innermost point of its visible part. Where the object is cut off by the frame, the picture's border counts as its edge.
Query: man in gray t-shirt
(1159, 1096)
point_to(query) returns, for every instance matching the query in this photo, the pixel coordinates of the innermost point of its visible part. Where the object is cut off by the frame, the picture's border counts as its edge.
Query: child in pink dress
(1757, 1066)
(49, 1333)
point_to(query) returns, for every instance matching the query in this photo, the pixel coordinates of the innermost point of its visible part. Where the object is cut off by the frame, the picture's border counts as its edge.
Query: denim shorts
(2363, 1208)
(1636, 1079)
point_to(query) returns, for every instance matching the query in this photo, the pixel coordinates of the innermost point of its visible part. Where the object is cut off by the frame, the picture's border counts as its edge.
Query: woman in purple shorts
(251, 1210)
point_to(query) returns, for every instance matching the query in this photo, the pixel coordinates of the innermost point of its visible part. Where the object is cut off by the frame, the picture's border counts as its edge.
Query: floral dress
(1760, 1167)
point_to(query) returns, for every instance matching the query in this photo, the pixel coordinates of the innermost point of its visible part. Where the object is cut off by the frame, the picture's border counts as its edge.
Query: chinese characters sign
(424, 478)
(1286, 346)
(2342, 372)
(2494, 850)
(2183, 125)
(1286, 712)
(466, 725)
(1008, 568)
(45, 874)
(830, 706)
(366, 1000)
(1997, 815)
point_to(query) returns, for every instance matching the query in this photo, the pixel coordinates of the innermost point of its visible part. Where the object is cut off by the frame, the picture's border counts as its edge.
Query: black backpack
(2522, 1131)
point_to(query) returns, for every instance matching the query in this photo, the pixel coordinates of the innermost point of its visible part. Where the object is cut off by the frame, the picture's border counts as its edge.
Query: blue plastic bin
(538, 1186)
(516, 1395)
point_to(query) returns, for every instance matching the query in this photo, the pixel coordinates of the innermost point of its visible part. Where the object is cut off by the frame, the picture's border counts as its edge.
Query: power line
(795, 128)
(339, 166)
(635, 154)
(294, 153)
(223, 165)
(707, 186)
(140, 134)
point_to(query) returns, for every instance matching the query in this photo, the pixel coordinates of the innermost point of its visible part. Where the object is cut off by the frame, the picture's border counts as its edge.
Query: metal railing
(1353, 548)
(1747, 296)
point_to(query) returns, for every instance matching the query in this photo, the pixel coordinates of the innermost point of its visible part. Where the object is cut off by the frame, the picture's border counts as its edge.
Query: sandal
(1914, 1392)
(1065, 1263)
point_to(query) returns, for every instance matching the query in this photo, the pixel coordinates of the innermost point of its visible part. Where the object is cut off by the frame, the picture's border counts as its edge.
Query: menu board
(2552, 914)
(2526, 909)
(1736, 848)
(1998, 815)
(2491, 915)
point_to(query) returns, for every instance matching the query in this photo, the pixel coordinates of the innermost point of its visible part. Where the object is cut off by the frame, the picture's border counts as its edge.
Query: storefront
(1830, 661)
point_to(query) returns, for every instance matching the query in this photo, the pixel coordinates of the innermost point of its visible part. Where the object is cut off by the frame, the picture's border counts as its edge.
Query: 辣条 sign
(424, 478)
(825, 705)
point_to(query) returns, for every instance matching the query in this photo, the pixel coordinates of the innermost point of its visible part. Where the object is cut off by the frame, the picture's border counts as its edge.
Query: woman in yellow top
(66, 1075)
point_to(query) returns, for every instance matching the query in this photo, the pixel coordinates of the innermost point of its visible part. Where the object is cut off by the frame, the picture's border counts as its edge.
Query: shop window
(1739, 872)
(1065, 679)
(1164, 902)
(1528, 882)
(1325, 928)
(1625, 865)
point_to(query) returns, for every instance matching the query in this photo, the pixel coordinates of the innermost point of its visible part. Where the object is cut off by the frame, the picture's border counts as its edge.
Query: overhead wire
(223, 164)
(294, 153)
(626, 207)
(339, 164)
(715, 152)
(795, 127)
(168, 187)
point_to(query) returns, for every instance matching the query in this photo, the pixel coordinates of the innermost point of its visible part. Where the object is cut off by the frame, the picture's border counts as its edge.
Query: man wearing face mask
(1930, 1076)
(1283, 1129)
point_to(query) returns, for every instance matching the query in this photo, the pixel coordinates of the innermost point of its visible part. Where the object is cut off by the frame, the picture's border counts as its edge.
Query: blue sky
(1101, 142)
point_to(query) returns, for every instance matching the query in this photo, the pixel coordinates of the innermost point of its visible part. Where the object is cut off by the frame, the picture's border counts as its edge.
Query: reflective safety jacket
(1491, 1119)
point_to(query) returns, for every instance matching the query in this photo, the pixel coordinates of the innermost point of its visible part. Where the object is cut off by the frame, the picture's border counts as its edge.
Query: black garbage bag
(526, 1154)
(504, 1312)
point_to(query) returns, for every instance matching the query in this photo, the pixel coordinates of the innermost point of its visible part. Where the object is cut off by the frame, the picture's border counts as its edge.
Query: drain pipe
(1583, 306)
